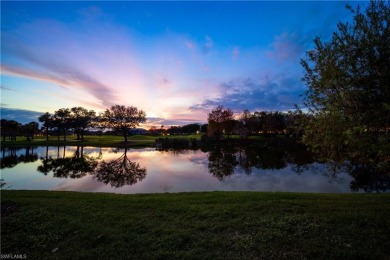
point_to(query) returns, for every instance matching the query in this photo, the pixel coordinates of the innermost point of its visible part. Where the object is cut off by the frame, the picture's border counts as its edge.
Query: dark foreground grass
(216, 225)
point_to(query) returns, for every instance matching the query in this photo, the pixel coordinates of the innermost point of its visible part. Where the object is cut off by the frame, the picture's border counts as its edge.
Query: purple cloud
(279, 94)
(49, 69)
(286, 47)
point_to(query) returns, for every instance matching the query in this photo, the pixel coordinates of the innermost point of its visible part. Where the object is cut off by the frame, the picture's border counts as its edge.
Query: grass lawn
(105, 140)
(213, 225)
(89, 140)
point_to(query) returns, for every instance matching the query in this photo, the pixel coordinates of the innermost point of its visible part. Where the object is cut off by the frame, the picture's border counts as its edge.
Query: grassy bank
(114, 141)
(90, 140)
(218, 225)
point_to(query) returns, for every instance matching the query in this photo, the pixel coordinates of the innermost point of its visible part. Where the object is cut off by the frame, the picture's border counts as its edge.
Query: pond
(149, 170)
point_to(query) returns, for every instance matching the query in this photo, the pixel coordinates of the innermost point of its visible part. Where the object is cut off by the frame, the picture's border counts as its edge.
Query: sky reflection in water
(166, 171)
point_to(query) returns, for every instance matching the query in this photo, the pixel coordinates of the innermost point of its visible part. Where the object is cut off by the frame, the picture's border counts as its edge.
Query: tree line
(11, 128)
(120, 120)
(78, 119)
(221, 121)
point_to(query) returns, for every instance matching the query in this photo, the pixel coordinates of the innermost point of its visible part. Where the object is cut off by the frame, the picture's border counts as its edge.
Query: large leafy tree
(122, 118)
(219, 121)
(9, 128)
(348, 81)
(62, 121)
(30, 129)
(47, 122)
(81, 118)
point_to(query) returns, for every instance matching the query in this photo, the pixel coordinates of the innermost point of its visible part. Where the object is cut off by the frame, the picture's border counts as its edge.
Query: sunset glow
(174, 60)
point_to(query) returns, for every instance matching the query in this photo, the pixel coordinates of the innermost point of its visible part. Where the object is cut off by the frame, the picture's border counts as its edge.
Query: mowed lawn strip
(217, 225)
(93, 140)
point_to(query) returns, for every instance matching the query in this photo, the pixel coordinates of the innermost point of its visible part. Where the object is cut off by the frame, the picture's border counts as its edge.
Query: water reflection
(13, 156)
(272, 165)
(369, 178)
(76, 166)
(222, 162)
(120, 172)
(270, 155)
(116, 172)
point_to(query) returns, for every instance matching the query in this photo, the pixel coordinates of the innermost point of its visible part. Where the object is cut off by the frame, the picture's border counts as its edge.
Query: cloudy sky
(174, 60)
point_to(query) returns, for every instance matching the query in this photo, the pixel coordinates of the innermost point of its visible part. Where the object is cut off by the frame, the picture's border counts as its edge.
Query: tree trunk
(125, 132)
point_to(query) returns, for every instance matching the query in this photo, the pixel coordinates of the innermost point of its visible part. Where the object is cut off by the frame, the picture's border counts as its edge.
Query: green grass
(215, 225)
(93, 140)
(106, 140)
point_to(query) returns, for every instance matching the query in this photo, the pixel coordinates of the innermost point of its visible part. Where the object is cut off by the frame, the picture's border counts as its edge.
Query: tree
(9, 128)
(259, 118)
(296, 122)
(274, 122)
(121, 118)
(173, 130)
(99, 123)
(30, 129)
(245, 123)
(47, 120)
(219, 121)
(203, 128)
(190, 128)
(348, 94)
(62, 121)
(81, 119)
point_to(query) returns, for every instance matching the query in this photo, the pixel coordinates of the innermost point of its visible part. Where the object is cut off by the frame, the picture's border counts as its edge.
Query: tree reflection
(244, 161)
(299, 157)
(269, 154)
(222, 162)
(267, 157)
(370, 177)
(10, 157)
(120, 172)
(76, 166)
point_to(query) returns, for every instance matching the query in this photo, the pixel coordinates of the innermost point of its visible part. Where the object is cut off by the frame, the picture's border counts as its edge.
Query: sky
(174, 60)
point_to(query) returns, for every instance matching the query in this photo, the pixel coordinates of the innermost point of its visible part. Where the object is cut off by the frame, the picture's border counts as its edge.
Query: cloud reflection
(179, 172)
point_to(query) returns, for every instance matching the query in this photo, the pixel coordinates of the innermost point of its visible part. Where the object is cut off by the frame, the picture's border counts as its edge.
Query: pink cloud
(70, 79)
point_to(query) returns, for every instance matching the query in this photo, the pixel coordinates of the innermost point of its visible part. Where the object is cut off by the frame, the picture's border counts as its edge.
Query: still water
(148, 170)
